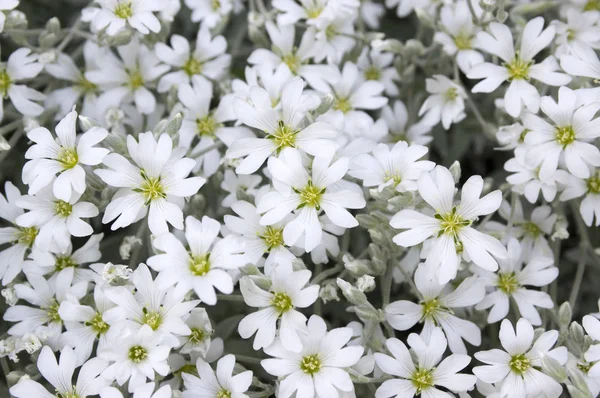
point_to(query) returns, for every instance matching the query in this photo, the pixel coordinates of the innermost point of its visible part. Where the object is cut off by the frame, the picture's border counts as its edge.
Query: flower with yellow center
(223, 394)
(26, 236)
(62, 208)
(310, 196)
(199, 265)
(97, 324)
(565, 136)
(283, 137)
(63, 262)
(137, 354)
(518, 69)
(282, 303)
(519, 364)
(207, 126)
(136, 80)
(198, 335)
(273, 237)
(67, 157)
(151, 187)
(292, 61)
(508, 283)
(123, 10)
(422, 379)
(463, 40)
(192, 67)
(151, 318)
(5, 83)
(451, 224)
(52, 312)
(593, 183)
(310, 364)
(372, 73)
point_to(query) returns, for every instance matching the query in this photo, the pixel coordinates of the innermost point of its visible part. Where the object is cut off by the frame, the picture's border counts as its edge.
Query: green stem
(327, 273)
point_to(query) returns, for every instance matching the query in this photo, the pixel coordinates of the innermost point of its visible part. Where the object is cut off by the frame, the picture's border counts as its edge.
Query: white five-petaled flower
(114, 15)
(423, 377)
(446, 102)
(307, 195)
(518, 66)
(219, 384)
(60, 376)
(517, 368)
(590, 187)
(436, 308)
(209, 12)
(203, 267)
(451, 228)
(64, 155)
(157, 181)
(286, 293)
(318, 369)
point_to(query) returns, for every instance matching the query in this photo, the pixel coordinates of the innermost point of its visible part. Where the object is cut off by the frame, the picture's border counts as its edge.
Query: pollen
(136, 80)
(97, 324)
(519, 364)
(565, 135)
(200, 265)
(463, 40)
(52, 312)
(223, 394)
(151, 187)
(62, 208)
(137, 354)
(26, 236)
(451, 223)
(292, 61)
(273, 237)
(531, 229)
(593, 184)
(151, 318)
(518, 69)
(198, 335)
(5, 82)
(310, 196)
(124, 10)
(67, 157)
(63, 262)
(207, 126)
(422, 379)
(192, 67)
(372, 73)
(284, 136)
(507, 283)
(282, 303)
(430, 307)
(310, 364)
(342, 104)
(451, 94)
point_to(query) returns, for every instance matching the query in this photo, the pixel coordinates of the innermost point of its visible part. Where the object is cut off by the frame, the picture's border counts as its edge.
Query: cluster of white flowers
(300, 198)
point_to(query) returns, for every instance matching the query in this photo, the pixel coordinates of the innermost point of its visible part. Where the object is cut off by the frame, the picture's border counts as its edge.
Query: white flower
(378, 66)
(283, 129)
(199, 340)
(583, 61)
(307, 195)
(446, 102)
(161, 309)
(570, 135)
(519, 66)
(203, 267)
(209, 12)
(399, 127)
(517, 367)
(590, 187)
(156, 181)
(458, 34)
(397, 167)
(136, 357)
(450, 229)
(221, 384)
(63, 155)
(144, 391)
(235, 184)
(580, 28)
(21, 65)
(208, 59)
(318, 369)
(286, 293)
(335, 37)
(512, 280)
(592, 355)
(59, 219)
(60, 376)
(114, 15)
(436, 308)
(422, 377)
(128, 78)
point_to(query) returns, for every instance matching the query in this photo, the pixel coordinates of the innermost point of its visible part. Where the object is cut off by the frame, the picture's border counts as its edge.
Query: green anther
(62, 208)
(223, 394)
(451, 94)
(70, 394)
(26, 236)
(422, 379)
(97, 324)
(463, 40)
(310, 196)
(531, 229)
(372, 73)
(519, 364)
(451, 223)
(593, 183)
(192, 67)
(283, 137)
(63, 262)
(342, 104)
(523, 135)
(197, 336)
(282, 303)
(518, 69)
(507, 283)
(207, 126)
(123, 10)
(565, 135)
(584, 367)
(151, 318)
(136, 79)
(86, 85)
(151, 188)
(5, 82)
(310, 364)
(137, 354)
(292, 61)
(67, 157)
(430, 307)
(216, 5)
(200, 265)
(592, 5)
(314, 11)
(273, 237)
(52, 312)
(330, 31)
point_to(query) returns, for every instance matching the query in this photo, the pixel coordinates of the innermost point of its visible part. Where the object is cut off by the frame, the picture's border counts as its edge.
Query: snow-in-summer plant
(299, 198)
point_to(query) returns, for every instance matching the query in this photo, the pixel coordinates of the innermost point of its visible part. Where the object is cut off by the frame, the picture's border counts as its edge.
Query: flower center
(451, 94)
(310, 364)
(463, 40)
(200, 265)
(63, 262)
(393, 177)
(531, 229)
(223, 394)
(282, 303)
(451, 223)
(310, 196)
(192, 67)
(430, 307)
(584, 366)
(151, 187)
(342, 104)
(284, 136)
(5, 82)
(26, 236)
(523, 135)
(123, 10)
(592, 5)
(197, 336)
(565, 135)
(136, 80)
(372, 73)
(69, 394)
(52, 312)
(207, 126)
(508, 283)
(273, 237)
(62, 208)
(151, 318)
(422, 379)
(519, 364)
(518, 69)
(86, 85)
(97, 324)
(137, 354)
(292, 61)
(314, 10)
(215, 4)
(67, 157)
(593, 184)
